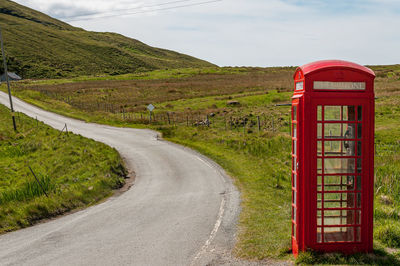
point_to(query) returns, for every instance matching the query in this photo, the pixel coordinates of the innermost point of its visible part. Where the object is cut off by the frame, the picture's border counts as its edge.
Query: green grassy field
(73, 171)
(39, 46)
(236, 100)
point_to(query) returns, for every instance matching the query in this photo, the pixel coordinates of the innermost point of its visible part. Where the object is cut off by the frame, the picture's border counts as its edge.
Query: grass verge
(74, 171)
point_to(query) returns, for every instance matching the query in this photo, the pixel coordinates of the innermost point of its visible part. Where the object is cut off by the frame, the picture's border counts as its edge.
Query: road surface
(181, 210)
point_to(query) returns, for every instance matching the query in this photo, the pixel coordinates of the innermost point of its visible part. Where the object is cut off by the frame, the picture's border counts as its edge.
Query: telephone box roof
(325, 64)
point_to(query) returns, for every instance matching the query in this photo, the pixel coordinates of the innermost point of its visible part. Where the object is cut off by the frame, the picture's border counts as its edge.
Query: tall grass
(29, 190)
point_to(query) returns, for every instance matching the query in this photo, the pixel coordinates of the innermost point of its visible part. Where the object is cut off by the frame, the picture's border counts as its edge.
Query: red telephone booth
(333, 157)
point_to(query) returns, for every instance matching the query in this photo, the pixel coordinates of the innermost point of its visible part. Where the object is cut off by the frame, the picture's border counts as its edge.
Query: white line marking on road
(212, 167)
(213, 232)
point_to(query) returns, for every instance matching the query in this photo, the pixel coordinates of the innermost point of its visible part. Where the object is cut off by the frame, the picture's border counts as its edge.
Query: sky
(246, 32)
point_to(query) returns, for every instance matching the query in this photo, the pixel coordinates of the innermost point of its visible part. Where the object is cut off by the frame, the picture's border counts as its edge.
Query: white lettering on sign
(328, 85)
(299, 86)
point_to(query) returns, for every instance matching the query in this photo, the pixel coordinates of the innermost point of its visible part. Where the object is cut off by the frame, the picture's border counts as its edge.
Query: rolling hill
(39, 46)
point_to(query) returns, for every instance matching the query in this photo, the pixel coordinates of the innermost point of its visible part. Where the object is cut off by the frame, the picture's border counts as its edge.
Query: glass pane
(319, 113)
(339, 131)
(294, 213)
(359, 113)
(332, 183)
(359, 148)
(319, 183)
(319, 131)
(319, 200)
(319, 148)
(332, 113)
(295, 112)
(336, 200)
(338, 234)
(358, 234)
(359, 166)
(338, 165)
(350, 182)
(294, 164)
(339, 217)
(319, 235)
(294, 197)
(294, 147)
(338, 183)
(319, 217)
(319, 166)
(339, 200)
(358, 200)
(294, 231)
(349, 112)
(294, 130)
(351, 200)
(358, 217)
(339, 148)
(339, 113)
(359, 131)
(358, 185)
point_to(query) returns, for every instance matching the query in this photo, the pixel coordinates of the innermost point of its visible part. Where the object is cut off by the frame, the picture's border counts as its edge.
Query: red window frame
(357, 195)
(295, 173)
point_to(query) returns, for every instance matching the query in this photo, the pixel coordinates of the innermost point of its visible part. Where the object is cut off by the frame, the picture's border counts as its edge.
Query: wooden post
(273, 126)
(258, 123)
(7, 81)
(169, 120)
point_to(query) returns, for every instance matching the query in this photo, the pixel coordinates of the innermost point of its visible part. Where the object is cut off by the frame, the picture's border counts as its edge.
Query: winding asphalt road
(181, 210)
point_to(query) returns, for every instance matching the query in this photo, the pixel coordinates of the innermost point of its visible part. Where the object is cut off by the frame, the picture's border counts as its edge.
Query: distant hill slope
(39, 46)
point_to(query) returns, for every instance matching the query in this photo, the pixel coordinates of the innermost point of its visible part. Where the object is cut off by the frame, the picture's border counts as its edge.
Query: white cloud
(253, 32)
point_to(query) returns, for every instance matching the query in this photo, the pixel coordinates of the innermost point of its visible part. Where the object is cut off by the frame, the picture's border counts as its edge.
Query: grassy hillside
(74, 171)
(257, 157)
(39, 46)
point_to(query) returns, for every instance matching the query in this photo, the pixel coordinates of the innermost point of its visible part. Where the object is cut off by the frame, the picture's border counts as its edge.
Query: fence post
(258, 124)
(169, 120)
(37, 180)
(273, 126)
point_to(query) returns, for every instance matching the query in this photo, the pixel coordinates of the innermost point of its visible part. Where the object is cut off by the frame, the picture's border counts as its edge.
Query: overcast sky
(247, 32)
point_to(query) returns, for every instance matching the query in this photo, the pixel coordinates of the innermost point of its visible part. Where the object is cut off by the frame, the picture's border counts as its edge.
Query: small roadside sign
(150, 107)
